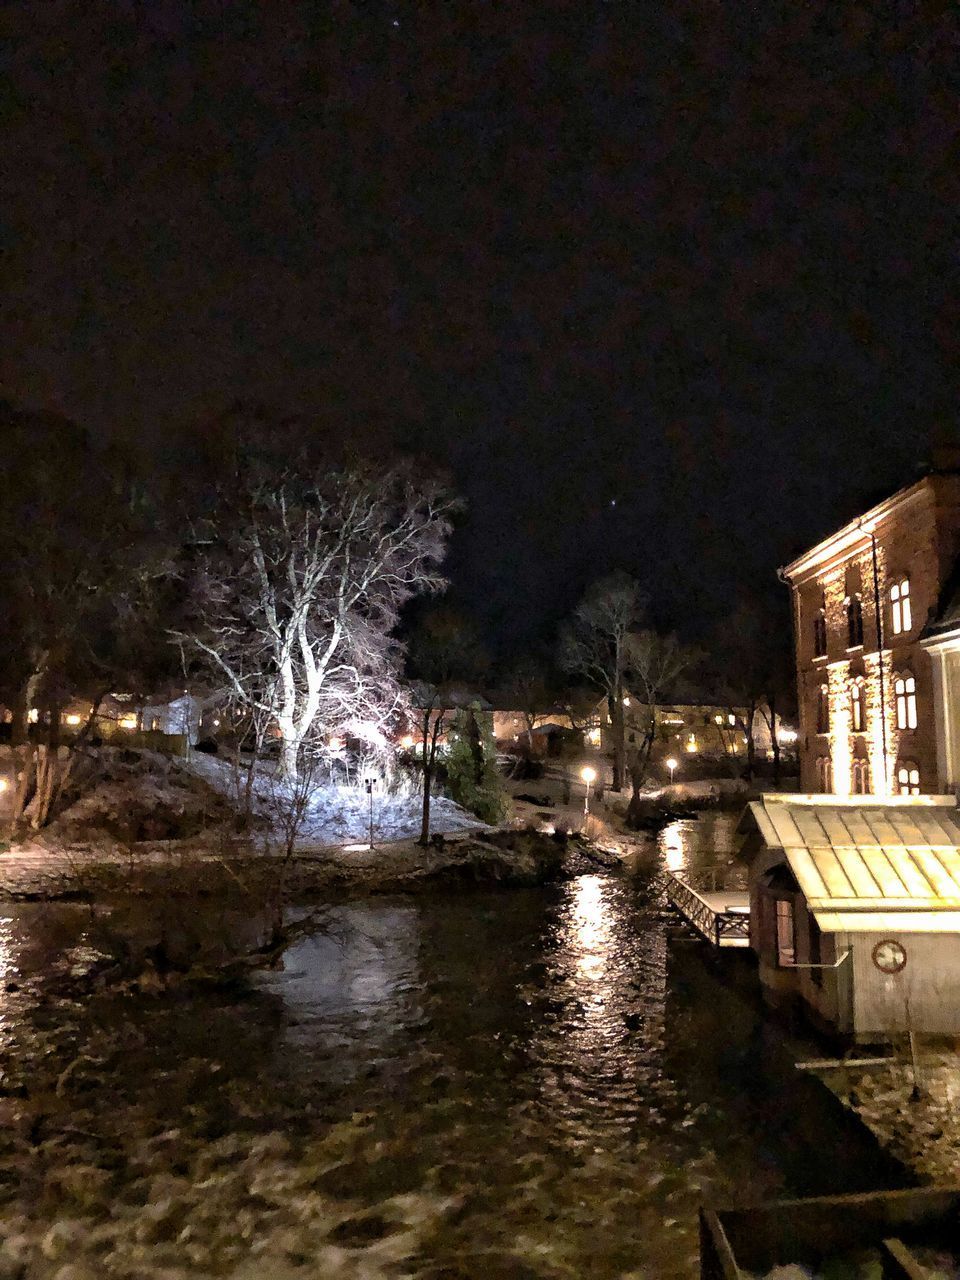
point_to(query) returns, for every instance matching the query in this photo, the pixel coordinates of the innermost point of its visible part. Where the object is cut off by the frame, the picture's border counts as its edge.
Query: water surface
(561, 1078)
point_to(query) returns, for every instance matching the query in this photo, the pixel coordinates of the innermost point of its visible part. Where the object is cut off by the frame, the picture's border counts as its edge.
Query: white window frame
(908, 779)
(905, 691)
(901, 610)
(786, 933)
(861, 777)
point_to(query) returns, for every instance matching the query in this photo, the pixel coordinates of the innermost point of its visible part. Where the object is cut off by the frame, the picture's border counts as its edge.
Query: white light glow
(4, 784)
(407, 741)
(72, 719)
(128, 722)
(588, 774)
(591, 926)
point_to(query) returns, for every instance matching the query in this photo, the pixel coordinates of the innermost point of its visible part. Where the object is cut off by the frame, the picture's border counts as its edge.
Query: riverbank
(230, 867)
(914, 1113)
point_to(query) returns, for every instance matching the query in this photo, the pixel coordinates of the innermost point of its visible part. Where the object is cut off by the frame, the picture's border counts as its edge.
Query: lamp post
(671, 764)
(588, 774)
(370, 794)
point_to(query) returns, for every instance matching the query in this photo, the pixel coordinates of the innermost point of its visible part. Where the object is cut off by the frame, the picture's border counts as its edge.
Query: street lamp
(671, 765)
(588, 774)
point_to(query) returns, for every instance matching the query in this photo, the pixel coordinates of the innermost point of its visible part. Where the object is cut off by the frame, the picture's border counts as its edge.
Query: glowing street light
(671, 764)
(407, 741)
(589, 775)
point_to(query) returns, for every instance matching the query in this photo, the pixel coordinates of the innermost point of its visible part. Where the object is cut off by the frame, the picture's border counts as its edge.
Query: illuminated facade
(878, 675)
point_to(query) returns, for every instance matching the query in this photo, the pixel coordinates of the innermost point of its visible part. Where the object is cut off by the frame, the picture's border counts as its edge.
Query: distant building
(688, 729)
(876, 609)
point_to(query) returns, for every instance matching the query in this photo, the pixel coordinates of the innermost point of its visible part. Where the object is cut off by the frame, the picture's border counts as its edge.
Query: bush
(473, 777)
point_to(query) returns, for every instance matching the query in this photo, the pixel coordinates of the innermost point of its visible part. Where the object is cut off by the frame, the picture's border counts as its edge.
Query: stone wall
(917, 537)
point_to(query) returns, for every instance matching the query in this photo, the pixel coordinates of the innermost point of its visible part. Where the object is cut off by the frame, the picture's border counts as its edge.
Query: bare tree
(298, 589)
(443, 653)
(531, 693)
(752, 673)
(84, 550)
(655, 662)
(595, 644)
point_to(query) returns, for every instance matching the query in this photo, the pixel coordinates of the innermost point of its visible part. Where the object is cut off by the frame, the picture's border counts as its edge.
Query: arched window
(905, 692)
(861, 777)
(823, 709)
(820, 633)
(854, 622)
(901, 612)
(856, 707)
(824, 774)
(908, 778)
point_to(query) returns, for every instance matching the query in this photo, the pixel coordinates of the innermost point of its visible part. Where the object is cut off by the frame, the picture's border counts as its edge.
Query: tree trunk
(639, 764)
(429, 758)
(774, 740)
(18, 718)
(617, 728)
(751, 743)
(289, 755)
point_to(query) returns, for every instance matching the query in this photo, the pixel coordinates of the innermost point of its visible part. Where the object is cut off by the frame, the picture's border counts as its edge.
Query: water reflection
(590, 936)
(539, 1061)
(704, 851)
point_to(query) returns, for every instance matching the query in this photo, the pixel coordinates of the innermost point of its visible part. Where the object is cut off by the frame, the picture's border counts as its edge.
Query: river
(559, 1078)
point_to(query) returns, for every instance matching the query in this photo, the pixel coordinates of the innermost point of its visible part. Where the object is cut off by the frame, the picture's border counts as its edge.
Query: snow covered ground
(341, 815)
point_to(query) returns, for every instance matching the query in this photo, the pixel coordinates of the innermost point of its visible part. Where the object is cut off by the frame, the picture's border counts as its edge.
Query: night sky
(669, 287)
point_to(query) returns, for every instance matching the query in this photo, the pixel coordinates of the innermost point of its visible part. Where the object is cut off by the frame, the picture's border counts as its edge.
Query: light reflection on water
(542, 1060)
(704, 851)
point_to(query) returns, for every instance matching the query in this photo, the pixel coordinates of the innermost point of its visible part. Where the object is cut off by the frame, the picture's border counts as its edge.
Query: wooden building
(855, 910)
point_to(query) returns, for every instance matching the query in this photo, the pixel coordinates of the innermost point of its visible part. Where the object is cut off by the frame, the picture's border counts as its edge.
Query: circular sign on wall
(889, 956)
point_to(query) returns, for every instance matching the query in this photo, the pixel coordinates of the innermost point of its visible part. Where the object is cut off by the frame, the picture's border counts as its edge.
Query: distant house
(173, 714)
(692, 729)
(855, 910)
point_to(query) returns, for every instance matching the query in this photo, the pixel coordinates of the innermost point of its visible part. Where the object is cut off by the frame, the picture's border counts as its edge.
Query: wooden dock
(721, 918)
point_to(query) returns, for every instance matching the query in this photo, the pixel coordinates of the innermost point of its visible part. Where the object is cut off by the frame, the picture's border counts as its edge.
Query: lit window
(692, 743)
(786, 943)
(900, 606)
(823, 710)
(128, 722)
(856, 707)
(908, 779)
(861, 778)
(824, 775)
(905, 690)
(72, 719)
(854, 622)
(731, 718)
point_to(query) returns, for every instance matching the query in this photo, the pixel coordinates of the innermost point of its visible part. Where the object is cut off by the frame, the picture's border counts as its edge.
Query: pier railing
(726, 926)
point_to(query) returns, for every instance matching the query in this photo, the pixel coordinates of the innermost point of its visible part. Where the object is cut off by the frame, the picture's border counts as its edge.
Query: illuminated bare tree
(298, 588)
(595, 644)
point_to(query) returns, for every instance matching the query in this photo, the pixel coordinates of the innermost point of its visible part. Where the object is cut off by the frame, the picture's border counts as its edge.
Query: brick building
(876, 646)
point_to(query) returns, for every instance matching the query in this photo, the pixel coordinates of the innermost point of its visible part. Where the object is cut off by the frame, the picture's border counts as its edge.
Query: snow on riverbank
(338, 814)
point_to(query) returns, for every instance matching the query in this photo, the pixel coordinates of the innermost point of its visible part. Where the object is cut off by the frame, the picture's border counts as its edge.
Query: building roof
(859, 859)
(946, 618)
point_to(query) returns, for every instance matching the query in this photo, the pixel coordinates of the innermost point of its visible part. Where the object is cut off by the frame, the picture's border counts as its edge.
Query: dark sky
(694, 260)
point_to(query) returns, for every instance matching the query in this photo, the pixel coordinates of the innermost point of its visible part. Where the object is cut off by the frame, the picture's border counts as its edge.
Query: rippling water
(567, 1079)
